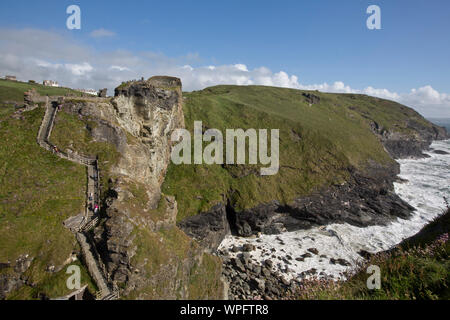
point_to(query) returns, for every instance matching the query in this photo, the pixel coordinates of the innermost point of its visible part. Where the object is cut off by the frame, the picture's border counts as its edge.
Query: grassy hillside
(70, 132)
(12, 91)
(38, 192)
(318, 142)
(418, 269)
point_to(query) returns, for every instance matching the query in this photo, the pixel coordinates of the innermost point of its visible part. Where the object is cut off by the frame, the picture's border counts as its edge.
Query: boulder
(248, 247)
(314, 251)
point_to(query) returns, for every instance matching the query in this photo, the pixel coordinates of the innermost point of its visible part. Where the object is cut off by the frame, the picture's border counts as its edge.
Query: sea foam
(427, 182)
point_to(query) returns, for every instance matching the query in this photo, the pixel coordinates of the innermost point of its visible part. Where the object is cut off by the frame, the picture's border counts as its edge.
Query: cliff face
(137, 240)
(149, 111)
(144, 253)
(404, 145)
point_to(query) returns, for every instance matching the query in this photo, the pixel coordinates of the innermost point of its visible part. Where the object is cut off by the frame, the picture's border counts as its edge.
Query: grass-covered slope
(319, 140)
(12, 91)
(38, 192)
(71, 133)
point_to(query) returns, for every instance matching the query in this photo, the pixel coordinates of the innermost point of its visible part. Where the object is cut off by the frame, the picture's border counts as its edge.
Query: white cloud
(382, 93)
(79, 69)
(119, 68)
(38, 55)
(241, 67)
(102, 33)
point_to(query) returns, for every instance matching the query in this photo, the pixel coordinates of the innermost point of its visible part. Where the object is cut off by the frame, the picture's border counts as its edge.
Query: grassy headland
(319, 140)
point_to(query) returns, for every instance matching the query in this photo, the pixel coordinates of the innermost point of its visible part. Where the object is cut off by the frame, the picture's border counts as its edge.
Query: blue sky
(318, 42)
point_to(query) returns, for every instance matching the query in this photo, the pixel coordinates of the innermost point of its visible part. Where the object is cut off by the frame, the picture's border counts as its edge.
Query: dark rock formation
(442, 152)
(365, 200)
(249, 280)
(14, 277)
(102, 92)
(311, 98)
(209, 228)
(155, 90)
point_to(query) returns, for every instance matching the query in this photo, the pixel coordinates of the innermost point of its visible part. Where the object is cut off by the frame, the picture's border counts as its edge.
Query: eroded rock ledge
(401, 145)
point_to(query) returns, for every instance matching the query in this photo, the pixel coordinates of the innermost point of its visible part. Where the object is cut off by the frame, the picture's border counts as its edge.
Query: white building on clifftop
(50, 83)
(88, 91)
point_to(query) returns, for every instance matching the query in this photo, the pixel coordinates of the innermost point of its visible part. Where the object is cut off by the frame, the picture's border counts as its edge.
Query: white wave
(428, 182)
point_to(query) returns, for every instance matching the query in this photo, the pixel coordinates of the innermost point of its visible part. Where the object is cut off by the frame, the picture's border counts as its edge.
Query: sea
(426, 184)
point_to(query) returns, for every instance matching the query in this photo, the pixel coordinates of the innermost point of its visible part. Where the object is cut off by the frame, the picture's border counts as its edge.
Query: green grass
(39, 191)
(417, 269)
(13, 91)
(318, 143)
(70, 132)
(54, 286)
(204, 279)
(166, 257)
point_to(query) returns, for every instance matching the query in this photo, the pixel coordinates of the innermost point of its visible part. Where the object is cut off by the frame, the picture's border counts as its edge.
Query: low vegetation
(71, 132)
(170, 251)
(12, 91)
(39, 191)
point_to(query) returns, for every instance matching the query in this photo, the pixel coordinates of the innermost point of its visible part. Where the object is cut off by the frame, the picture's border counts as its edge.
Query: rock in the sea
(238, 264)
(248, 247)
(365, 254)
(442, 152)
(313, 250)
(340, 261)
(235, 249)
(268, 263)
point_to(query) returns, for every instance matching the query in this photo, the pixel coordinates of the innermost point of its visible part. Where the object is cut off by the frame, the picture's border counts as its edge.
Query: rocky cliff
(365, 199)
(143, 252)
(411, 144)
(149, 111)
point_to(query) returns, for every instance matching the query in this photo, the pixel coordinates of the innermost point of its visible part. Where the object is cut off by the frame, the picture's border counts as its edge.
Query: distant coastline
(443, 122)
